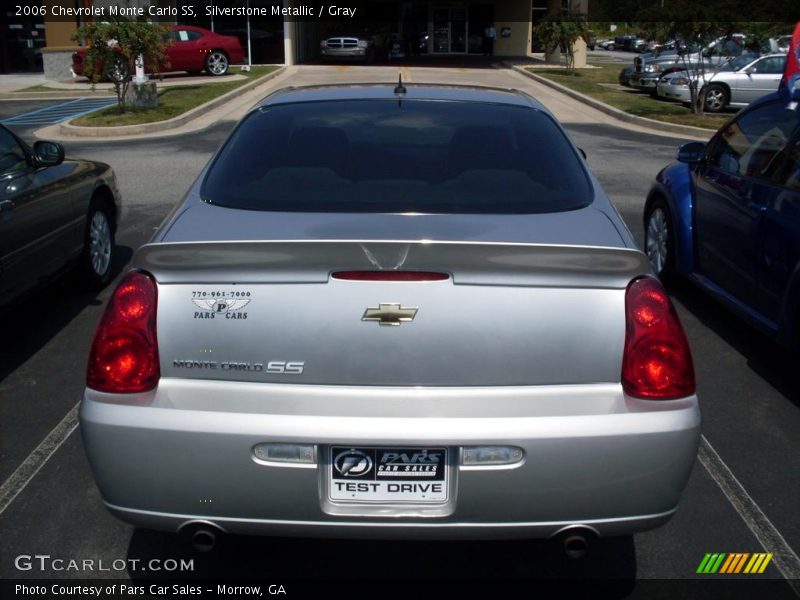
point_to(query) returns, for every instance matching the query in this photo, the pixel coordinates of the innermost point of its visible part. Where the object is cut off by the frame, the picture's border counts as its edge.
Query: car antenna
(400, 90)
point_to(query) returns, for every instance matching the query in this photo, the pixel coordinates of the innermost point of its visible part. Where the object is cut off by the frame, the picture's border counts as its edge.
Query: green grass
(172, 102)
(637, 103)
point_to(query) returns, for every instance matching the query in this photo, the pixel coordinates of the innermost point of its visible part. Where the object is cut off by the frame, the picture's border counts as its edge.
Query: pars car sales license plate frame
(388, 475)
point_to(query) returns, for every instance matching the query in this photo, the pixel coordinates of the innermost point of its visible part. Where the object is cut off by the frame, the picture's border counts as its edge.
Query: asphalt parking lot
(742, 496)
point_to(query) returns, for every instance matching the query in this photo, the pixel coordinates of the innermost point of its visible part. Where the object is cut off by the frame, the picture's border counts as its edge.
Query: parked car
(591, 40)
(621, 41)
(625, 75)
(54, 214)
(675, 86)
(391, 281)
(635, 44)
(608, 44)
(743, 80)
(365, 46)
(191, 49)
(347, 47)
(725, 217)
(720, 51)
(647, 79)
(646, 60)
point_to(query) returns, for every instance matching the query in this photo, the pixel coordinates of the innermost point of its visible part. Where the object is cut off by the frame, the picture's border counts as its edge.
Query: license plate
(404, 475)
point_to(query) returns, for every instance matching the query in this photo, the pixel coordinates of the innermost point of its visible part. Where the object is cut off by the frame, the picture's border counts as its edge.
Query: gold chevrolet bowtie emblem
(389, 314)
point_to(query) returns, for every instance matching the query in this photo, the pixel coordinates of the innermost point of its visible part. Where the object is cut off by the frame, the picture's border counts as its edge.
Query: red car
(191, 49)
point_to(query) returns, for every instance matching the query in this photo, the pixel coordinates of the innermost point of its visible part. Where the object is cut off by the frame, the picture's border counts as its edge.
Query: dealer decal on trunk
(220, 304)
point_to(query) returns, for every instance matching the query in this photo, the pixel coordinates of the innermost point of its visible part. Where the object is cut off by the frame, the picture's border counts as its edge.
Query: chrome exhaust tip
(204, 540)
(576, 546)
(203, 536)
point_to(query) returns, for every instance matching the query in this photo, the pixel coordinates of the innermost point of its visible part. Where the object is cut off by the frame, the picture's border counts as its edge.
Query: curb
(615, 112)
(74, 131)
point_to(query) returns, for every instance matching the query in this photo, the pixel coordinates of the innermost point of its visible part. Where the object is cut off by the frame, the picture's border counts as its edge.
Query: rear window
(389, 156)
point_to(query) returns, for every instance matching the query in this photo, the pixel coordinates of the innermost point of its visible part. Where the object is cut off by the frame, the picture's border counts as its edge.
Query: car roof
(414, 91)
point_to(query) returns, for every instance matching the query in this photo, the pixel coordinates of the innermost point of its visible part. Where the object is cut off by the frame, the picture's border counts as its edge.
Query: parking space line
(20, 478)
(784, 557)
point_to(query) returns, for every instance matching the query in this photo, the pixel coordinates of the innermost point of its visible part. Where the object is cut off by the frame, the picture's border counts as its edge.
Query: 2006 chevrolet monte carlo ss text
(381, 312)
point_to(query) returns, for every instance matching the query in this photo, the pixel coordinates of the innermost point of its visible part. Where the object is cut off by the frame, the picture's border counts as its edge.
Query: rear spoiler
(469, 263)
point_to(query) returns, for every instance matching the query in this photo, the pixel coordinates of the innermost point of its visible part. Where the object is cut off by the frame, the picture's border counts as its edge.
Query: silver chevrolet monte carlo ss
(381, 312)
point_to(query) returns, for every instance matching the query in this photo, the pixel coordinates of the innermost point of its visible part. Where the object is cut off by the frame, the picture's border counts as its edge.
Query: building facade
(438, 27)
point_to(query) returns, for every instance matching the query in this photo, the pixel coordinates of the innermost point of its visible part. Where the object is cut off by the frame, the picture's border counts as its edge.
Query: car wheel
(716, 98)
(610, 47)
(98, 249)
(217, 63)
(659, 240)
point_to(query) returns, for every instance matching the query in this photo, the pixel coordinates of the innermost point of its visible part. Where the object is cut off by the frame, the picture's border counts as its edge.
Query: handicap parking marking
(60, 112)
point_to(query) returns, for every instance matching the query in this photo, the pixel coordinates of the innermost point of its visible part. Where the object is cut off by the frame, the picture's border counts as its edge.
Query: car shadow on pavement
(31, 322)
(246, 557)
(765, 357)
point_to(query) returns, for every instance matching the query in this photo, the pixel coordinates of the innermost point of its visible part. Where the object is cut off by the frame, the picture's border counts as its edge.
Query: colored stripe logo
(735, 562)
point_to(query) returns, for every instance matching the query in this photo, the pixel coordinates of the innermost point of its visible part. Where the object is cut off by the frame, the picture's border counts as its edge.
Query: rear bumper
(377, 529)
(618, 469)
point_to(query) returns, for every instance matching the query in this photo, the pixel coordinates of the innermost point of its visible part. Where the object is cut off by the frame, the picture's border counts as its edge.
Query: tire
(610, 47)
(659, 240)
(217, 63)
(98, 247)
(717, 98)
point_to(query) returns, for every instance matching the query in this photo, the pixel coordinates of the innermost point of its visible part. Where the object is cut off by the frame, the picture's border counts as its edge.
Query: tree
(561, 30)
(716, 44)
(711, 43)
(113, 48)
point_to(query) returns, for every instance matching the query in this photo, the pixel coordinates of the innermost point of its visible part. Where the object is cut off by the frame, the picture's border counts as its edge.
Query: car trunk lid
(504, 314)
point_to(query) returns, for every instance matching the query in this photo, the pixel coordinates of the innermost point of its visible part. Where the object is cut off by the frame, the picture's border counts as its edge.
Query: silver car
(392, 312)
(745, 79)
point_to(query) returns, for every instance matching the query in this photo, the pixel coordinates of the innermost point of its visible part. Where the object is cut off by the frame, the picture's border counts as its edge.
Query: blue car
(727, 216)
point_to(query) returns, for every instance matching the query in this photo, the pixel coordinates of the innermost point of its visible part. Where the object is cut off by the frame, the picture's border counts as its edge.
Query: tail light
(657, 362)
(124, 355)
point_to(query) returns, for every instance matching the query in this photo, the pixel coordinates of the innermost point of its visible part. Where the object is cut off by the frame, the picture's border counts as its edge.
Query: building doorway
(459, 29)
(449, 30)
